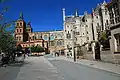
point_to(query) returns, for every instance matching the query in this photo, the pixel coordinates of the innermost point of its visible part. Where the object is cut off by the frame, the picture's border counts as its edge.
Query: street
(39, 68)
(72, 71)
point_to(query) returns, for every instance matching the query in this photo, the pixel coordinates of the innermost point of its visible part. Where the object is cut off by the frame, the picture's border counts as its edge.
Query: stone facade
(114, 13)
(83, 29)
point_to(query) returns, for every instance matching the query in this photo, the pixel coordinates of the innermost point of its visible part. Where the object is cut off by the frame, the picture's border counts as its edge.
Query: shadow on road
(11, 71)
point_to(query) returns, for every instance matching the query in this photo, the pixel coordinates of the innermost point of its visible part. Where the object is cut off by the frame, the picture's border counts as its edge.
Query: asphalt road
(10, 72)
(39, 68)
(74, 71)
(34, 68)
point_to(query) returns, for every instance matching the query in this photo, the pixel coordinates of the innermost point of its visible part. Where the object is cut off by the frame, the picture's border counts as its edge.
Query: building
(100, 19)
(84, 29)
(114, 13)
(50, 40)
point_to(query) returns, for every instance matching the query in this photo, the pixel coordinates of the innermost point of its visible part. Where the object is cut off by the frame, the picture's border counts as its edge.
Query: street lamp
(73, 44)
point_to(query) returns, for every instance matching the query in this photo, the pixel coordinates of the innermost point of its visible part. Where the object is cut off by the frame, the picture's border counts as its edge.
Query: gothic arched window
(51, 37)
(45, 37)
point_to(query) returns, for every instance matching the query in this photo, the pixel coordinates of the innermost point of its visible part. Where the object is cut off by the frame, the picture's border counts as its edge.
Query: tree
(104, 40)
(32, 49)
(7, 41)
(37, 49)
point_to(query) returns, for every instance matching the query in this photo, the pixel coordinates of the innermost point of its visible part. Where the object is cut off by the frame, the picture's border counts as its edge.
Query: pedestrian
(67, 55)
(57, 54)
(27, 55)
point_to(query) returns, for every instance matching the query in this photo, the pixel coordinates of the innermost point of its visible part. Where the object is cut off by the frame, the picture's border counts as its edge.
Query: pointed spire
(76, 13)
(104, 3)
(29, 24)
(21, 15)
(98, 4)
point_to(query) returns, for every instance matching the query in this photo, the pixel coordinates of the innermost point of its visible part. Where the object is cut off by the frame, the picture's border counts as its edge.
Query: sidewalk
(95, 64)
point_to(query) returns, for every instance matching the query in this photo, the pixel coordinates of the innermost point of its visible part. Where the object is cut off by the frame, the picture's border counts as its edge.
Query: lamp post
(73, 45)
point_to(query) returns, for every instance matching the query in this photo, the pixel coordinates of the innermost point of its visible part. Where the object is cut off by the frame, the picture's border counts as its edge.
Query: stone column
(87, 47)
(115, 45)
(101, 47)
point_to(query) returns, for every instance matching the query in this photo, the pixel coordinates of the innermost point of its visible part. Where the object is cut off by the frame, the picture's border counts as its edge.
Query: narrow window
(87, 32)
(17, 24)
(17, 30)
(20, 24)
(20, 30)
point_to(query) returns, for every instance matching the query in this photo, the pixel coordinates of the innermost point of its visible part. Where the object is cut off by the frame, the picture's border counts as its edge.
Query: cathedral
(51, 41)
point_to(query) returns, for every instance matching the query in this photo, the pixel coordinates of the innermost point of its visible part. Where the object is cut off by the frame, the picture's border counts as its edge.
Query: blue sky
(47, 14)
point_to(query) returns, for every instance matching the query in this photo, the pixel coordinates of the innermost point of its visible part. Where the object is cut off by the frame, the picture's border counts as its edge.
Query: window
(19, 38)
(87, 32)
(77, 33)
(17, 30)
(59, 43)
(17, 24)
(86, 20)
(87, 38)
(45, 37)
(105, 11)
(67, 46)
(20, 30)
(107, 22)
(97, 17)
(20, 24)
(113, 21)
(68, 32)
(51, 37)
(33, 37)
(83, 33)
(68, 36)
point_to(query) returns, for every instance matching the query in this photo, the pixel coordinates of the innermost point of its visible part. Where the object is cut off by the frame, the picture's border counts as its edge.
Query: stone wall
(106, 56)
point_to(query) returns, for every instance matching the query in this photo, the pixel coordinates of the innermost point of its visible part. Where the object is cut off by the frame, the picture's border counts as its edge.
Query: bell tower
(29, 27)
(20, 27)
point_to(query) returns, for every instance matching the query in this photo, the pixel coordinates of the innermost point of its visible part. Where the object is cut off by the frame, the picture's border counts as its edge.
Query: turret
(76, 13)
(63, 14)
